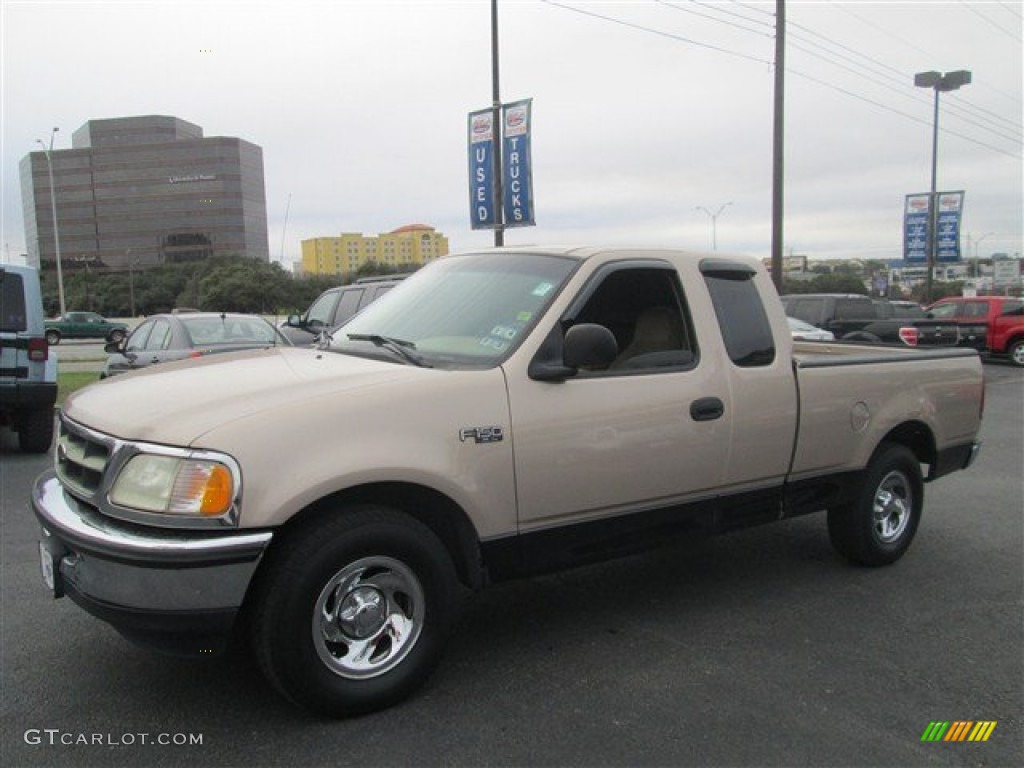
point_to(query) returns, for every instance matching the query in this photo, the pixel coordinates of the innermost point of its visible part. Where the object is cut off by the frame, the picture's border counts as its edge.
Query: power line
(904, 90)
(658, 32)
(992, 22)
(677, 7)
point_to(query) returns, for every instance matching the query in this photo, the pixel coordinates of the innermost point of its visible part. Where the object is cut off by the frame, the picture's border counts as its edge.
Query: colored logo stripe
(958, 730)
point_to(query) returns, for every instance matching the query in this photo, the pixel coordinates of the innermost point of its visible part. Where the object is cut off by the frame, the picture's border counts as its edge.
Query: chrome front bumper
(144, 581)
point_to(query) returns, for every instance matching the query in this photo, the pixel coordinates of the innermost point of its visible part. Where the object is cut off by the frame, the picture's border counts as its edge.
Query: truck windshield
(470, 310)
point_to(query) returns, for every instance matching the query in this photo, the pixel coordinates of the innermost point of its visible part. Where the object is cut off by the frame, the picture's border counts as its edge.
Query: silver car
(163, 338)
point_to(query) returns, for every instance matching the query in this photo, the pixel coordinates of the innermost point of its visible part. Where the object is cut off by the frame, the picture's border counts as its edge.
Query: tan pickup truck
(498, 414)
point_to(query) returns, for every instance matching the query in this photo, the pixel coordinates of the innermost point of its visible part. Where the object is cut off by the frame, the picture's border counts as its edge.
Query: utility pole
(499, 208)
(778, 141)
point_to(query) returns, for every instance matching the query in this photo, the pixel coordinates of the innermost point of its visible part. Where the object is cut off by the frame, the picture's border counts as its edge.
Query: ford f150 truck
(498, 414)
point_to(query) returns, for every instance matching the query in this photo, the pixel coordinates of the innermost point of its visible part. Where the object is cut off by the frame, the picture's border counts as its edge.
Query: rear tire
(53, 338)
(351, 611)
(35, 431)
(876, 528)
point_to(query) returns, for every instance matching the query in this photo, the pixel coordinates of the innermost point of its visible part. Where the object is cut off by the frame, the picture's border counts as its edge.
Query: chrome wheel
(368, 617)
(894, 500)
(1017, 354)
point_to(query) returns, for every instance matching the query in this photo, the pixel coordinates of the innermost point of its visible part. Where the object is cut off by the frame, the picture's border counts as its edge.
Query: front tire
(877, 527)
(1016, 353)
(351, 611)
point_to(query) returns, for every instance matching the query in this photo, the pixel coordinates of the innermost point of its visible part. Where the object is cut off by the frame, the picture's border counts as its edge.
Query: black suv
(334, 306)
(852, 317)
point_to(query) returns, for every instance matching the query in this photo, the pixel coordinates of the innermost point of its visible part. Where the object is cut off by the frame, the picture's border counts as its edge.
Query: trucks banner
(517, 184)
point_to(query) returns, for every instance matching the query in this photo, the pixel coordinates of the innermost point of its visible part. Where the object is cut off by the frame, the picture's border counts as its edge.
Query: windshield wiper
(400, 347)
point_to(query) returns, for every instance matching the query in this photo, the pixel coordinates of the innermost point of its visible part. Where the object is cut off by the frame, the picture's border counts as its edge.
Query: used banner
(915, 229)
(517, 176)
(481, 169)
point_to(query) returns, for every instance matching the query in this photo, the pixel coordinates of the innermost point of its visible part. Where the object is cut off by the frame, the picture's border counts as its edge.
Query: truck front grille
(81, 460)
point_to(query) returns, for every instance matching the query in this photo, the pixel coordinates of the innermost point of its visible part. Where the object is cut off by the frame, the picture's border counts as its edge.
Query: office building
(140, 191)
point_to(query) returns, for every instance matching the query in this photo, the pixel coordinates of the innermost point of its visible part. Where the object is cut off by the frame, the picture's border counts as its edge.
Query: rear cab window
(745, 327)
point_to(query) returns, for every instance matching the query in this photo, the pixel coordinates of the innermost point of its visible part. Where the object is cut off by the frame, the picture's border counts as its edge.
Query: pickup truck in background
(499, 414)
(83, 325)
(853, 317)
(991, 324)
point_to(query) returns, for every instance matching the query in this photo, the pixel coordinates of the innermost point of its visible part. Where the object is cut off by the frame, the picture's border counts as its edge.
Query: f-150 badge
(482, 434)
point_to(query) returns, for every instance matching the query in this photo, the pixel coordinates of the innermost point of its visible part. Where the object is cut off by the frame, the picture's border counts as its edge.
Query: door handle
(707, 409)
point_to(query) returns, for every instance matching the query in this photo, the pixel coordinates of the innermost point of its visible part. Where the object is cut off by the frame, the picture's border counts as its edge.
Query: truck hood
(176, 403)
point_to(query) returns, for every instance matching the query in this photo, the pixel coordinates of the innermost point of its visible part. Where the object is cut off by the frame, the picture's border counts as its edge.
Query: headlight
(175, 485)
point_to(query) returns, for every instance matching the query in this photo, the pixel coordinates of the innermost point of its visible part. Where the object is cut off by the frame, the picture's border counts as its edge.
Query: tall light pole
(977, 264)
(714, 222)
(938, 82)
(53, 207)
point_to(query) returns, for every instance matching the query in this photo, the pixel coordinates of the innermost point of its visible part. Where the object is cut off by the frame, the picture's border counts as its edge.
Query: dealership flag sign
(516, 167)
(947, 227)
(481, 169)
(517, 184)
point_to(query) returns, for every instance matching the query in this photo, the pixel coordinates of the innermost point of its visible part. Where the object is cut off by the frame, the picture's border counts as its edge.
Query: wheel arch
(917, 437)
(433, 509)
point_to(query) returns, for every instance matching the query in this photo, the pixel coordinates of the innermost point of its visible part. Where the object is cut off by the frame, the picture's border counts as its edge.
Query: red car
(993, 324)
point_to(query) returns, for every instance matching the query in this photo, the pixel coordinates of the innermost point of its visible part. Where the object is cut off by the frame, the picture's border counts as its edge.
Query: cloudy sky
(643, 111)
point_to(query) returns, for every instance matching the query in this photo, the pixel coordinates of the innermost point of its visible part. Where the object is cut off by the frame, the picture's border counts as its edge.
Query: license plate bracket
(49, 566)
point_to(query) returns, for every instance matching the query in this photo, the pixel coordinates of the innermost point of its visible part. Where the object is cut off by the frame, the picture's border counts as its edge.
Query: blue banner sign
(915, 229)
(517, 175)
(482, 211)
(951, 206)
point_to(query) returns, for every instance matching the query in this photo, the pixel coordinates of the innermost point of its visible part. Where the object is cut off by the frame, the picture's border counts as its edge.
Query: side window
(1013, 308)
(976, 309)
(137, 341)
(943, 311)
(645, 310)
(851, 309)
(12, 303)
(160, 337)
(347, 306)
(808, 310)
(320, 313)
(744, 323)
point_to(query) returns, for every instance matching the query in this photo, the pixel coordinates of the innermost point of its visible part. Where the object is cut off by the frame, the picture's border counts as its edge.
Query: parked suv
(28, 371)
(853, 317)
(334, 306)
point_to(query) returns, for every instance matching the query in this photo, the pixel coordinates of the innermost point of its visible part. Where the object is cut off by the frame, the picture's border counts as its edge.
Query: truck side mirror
(589, 345)
(586, 345)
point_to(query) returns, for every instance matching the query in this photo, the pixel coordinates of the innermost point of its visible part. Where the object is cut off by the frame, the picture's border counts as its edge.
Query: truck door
(650, 431)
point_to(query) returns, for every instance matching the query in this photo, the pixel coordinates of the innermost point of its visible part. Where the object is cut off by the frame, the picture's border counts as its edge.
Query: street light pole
(714, 222)
(977, 263)
(53, 207)
(938, 82)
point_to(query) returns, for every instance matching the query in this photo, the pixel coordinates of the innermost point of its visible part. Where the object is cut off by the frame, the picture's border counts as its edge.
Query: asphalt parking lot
(758, 648)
